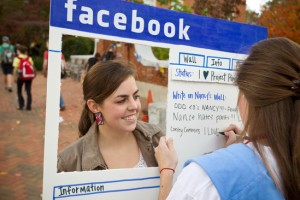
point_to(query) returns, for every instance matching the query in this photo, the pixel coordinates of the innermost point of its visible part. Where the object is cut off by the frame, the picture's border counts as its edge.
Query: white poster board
(204, 39)
(202, 99)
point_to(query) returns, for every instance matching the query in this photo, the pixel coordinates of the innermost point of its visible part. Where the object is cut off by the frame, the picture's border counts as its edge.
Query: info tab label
(218, 62)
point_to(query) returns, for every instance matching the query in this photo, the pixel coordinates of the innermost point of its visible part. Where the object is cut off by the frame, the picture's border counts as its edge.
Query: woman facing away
(111, 136)
(268, 166)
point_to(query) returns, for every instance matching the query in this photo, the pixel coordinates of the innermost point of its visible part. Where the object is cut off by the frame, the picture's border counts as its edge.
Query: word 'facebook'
(120, 22)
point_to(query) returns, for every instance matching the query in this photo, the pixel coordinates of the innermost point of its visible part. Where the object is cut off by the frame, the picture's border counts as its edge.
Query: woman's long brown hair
(268, 79)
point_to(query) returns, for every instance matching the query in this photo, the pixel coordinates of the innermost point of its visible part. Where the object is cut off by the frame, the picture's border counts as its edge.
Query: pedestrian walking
(92, 61)
(110, 54)
(24, 74)
(7, 54)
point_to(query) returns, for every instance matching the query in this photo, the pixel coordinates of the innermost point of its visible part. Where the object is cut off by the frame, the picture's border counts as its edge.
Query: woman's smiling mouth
(130, 117)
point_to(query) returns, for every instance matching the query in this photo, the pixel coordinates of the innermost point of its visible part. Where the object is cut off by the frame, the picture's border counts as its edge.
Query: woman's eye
(121, 101)
(136, 96)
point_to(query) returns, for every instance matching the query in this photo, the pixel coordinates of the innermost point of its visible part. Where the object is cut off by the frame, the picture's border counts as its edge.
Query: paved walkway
(22, 137)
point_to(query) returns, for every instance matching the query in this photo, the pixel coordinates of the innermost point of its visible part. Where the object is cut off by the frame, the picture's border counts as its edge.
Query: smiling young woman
(111, 136)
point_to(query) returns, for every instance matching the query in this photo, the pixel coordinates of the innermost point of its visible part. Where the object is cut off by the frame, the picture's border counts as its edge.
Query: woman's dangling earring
(99, 118)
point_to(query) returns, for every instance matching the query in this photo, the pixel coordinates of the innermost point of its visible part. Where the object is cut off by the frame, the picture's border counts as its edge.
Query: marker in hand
(238, 135)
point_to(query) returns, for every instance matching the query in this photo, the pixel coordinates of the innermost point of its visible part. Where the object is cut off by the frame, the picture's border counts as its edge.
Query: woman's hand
(165, 154)
(232, 132)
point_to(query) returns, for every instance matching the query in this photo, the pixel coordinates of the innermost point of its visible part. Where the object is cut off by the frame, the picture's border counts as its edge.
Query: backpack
(8, 55)
(26, 70)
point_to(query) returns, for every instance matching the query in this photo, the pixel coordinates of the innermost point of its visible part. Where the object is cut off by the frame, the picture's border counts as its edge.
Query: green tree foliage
(176, 5)
(251, 17)
(25, 21)
(222, 9)
(161, 53)
(77, 46)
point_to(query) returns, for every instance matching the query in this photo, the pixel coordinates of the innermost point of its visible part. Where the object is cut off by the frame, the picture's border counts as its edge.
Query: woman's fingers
(231, 137)
(165, 153)
(170, 144)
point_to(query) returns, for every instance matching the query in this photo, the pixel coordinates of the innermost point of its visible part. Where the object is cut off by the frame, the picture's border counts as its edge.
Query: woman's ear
(243, 107)
(93, 106)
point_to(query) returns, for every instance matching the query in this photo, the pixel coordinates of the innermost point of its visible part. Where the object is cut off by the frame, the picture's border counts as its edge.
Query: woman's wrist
(166, 179)
(167, 169)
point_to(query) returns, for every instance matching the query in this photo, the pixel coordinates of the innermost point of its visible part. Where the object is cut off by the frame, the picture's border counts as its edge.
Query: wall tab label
(191, 59)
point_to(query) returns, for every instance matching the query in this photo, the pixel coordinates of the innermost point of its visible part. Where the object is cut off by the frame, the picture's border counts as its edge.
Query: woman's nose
(133, 103)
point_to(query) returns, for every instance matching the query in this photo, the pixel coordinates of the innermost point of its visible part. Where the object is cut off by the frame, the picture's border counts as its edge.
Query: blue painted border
(108, 191)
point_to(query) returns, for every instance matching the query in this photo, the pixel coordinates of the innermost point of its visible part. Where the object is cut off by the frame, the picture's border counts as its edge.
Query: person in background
(110, 54)
(92, 61)
(268, 166)
(110, 134)
(45, 72)
(22, 52)
(7, 54)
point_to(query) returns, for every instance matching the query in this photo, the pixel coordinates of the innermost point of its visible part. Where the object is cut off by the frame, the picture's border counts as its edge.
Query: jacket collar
(144, 130)
(144, 133)
(92, 158)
